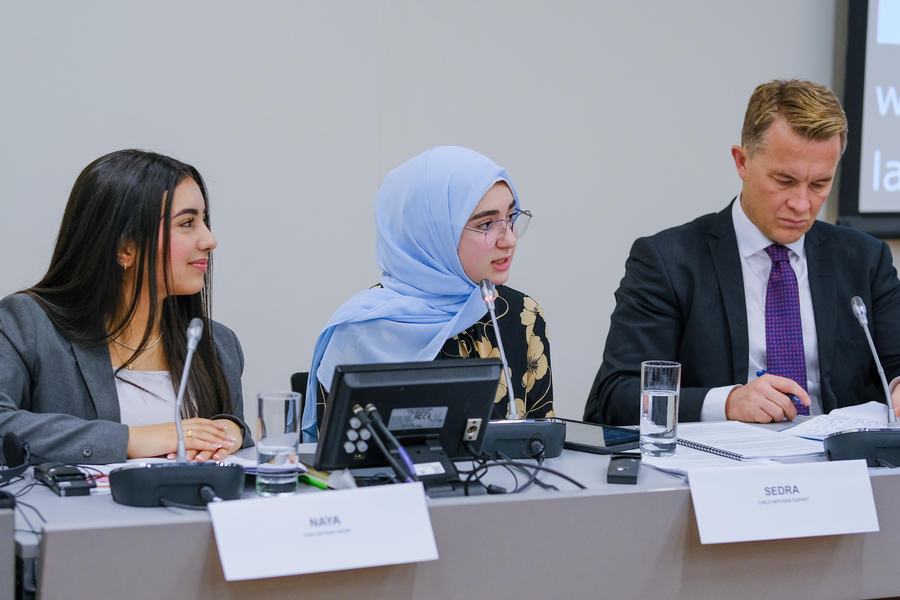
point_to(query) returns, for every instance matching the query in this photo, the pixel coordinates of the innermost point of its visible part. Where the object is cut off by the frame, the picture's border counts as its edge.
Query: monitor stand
(435, 469)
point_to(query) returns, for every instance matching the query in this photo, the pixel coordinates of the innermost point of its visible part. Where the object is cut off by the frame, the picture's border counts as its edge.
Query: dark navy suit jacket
(682, 299)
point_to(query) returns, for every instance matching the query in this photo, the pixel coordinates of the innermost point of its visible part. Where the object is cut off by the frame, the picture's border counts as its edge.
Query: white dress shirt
(756, 265)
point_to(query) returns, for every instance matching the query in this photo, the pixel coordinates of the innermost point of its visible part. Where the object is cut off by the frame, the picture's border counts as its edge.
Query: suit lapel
(819, 261)
(726, 260)
(96, 368)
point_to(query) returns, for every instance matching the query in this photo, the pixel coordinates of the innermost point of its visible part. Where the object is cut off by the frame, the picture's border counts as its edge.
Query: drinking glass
(278, 443)
(660, 388)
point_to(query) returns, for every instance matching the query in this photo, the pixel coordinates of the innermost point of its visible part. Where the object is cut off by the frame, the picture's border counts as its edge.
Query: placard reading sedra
(317, 532)
(783, 501)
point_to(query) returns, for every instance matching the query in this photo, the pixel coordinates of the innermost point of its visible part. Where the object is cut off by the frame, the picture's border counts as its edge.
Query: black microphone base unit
(871, 445)
(178, 483)
(526, 438)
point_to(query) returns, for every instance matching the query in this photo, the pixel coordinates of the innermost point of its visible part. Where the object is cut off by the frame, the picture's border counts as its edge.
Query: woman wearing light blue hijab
(446, 219)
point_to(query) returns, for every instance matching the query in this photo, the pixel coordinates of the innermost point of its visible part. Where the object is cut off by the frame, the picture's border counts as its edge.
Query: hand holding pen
(765, 399)
(793, 398)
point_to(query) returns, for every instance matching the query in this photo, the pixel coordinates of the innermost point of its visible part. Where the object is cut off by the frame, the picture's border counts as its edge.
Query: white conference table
(617, 541)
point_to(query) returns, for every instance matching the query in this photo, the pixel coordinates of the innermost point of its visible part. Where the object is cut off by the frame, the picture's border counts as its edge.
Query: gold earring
(124, 266)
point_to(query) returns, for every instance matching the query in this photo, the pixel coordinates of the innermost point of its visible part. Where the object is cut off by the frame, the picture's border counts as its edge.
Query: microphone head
(859, 310)
(487, 289)
(488, 293)
(195, 331)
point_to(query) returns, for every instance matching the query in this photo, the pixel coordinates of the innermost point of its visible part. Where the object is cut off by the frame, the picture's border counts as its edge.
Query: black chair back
(298, 384)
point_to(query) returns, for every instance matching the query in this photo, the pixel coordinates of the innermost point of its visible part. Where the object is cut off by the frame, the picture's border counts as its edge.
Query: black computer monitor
(433, 408)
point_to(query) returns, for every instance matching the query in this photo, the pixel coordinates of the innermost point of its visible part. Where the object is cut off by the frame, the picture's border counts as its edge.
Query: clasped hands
(208, 439)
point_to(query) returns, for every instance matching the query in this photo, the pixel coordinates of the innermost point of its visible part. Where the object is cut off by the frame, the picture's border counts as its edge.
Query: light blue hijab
(426, 297)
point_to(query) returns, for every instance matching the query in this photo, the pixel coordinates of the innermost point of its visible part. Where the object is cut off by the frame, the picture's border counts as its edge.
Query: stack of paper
(872, 415)
(729, 444)
(744, 442)
(687, 459)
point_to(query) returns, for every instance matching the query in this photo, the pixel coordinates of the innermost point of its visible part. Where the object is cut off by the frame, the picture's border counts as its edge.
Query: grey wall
(614, 119)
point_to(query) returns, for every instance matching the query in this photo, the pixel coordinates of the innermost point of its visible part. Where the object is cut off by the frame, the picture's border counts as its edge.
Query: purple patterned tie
(784, 334)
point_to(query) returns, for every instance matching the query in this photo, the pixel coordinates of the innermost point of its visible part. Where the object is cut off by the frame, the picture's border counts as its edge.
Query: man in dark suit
(759, 287)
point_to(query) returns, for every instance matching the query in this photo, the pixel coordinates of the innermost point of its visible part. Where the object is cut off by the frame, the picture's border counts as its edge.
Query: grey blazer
(61, 398)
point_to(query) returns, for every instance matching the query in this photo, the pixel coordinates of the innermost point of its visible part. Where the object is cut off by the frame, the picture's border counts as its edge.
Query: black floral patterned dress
(524, 331)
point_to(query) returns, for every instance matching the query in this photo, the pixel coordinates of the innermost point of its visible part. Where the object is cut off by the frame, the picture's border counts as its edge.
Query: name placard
(783, 501)
(328, 531)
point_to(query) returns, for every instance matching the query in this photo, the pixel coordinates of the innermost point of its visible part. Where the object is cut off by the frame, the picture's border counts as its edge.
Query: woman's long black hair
(118, 199)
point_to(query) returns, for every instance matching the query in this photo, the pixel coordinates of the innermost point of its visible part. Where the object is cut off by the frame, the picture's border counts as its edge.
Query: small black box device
(63, 479)
(623, 468)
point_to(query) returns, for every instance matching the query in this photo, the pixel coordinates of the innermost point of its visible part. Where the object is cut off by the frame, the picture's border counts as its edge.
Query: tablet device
(599, 439)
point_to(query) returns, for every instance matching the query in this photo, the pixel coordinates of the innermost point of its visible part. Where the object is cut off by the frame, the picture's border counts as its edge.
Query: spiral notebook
(730, 444)
(740, 441)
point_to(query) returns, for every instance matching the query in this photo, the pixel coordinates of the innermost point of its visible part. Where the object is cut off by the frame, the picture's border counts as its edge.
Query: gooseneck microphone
(879, 447)
(194, 333)
(514, 437)
(488, 294)
(859, 311)
(180, 484)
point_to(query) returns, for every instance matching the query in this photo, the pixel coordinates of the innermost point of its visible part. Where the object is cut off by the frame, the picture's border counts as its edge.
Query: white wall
(614, 119)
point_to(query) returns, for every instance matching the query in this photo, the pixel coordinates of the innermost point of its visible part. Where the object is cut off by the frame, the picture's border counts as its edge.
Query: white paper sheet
(869, 415)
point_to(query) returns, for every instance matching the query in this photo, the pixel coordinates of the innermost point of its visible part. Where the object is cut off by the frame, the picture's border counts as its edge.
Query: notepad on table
(730, 444)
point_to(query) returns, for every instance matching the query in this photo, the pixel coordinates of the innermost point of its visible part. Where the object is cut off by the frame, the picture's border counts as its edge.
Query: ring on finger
(190, 433)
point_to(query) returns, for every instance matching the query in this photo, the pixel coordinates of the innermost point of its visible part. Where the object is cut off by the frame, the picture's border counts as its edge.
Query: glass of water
(660, 388)
(278, 443)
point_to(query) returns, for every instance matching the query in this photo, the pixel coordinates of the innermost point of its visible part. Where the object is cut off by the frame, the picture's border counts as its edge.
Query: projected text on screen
(879, 182)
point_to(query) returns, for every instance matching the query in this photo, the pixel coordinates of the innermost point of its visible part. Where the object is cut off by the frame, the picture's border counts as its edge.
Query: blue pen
(793, 398)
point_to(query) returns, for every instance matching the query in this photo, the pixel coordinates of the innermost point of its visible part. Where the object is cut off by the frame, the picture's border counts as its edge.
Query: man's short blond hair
(812, 111)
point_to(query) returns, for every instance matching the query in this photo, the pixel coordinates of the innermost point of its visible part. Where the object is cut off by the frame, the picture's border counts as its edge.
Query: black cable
(171, 504)
(471, 450)
(538, 449)
(87, 467)
(37, 512)
(483, 468)
(43, 483)
(15, 479)
(547, 486)
(477, 475)
(401, 473)
(480, 466)
(27, 521)
(494, 462)
(93, 472)
(548, 470)
(26, 489)
(377, 421)
(209, 494)
(883, 463)
(367, 423)
(532, 475)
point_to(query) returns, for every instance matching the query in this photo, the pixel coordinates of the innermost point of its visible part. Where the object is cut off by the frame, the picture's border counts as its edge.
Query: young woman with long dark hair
(91, 356)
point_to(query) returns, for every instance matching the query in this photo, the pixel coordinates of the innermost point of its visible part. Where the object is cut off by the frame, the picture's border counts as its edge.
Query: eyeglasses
(494, 230)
